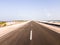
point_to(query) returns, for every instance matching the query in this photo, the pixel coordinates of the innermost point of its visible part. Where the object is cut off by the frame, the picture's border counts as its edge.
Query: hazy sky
(29, 9)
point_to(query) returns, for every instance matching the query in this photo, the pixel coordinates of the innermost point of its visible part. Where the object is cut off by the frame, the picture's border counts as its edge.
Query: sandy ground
(7, 29)
(57, 23)
(53, 28)
(12, 23)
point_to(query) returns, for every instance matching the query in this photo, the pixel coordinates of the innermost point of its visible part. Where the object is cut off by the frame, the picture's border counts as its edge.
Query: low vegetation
(2, 24)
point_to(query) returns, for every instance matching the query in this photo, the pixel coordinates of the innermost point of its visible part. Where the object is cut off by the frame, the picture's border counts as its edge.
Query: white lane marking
(31, 35)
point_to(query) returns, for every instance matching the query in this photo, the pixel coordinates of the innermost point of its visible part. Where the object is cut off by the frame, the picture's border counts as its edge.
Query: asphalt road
(40, 36)
(44, 36)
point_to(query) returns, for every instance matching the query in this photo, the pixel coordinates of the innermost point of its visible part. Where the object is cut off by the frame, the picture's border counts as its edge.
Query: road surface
(44, 36)
(31, 33)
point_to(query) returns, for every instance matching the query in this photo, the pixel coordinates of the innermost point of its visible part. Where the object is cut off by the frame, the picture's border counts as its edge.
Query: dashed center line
(31, 35)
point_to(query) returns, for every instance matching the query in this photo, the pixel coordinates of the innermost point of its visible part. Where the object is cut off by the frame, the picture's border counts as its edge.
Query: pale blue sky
(29, 9)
